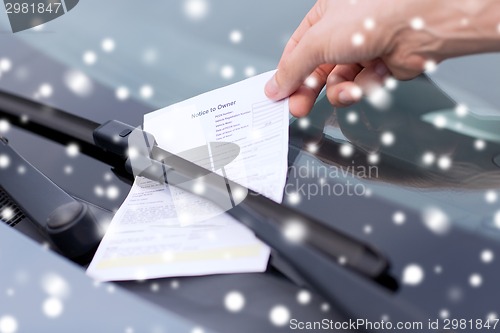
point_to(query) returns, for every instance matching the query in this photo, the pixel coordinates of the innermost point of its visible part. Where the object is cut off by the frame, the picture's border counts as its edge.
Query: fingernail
(345, 97)
(381, 69)
(272, 88)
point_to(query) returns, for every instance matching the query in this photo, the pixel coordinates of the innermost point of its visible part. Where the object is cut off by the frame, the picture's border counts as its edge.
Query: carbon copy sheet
(163, 231)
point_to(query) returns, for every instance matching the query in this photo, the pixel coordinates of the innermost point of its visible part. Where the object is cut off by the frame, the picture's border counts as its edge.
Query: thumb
(297, 65)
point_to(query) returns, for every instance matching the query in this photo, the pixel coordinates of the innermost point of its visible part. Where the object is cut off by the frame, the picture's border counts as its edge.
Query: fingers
(296, 67)
(347, 83)
(302, 101)
(300, 58)
(340, 87)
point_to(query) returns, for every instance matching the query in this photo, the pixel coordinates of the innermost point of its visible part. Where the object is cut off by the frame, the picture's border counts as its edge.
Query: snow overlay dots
(496, 219)
(196, 9)
(197, 330)
(413, 275)
(387, 138)
(108, 45)
(4, 126)
(391, 83)
(479, 145)
(89, 58)
(45, 90)
(436, 221)
(358, 39)
(417, 23)
(8, 324)
(439, 121)
(430, 66)
(311, 82)
(304, 123)
(428, 158)
(490, 196)
(373, 158)
(235, 36)
(487, 256)
(250, 71)
(294, 231)
(294, 199)
(5, 65)
(369, 23)
(352, 117)
(227, 72)
(4, 161)
(304, 297)
(72, 150)
(399, 218)
(346, 150)
(475, 280)
(234, 301)
(461, 110)
(7, 213)
(52, 307)
(146, 91)
(444, 313)
(79, 83)
(444, 162)
(279, 315)
(112, 192)
(367, 229)
(122, 93)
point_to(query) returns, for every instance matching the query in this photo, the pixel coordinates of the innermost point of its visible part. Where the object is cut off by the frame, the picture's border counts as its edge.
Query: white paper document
(163, 231)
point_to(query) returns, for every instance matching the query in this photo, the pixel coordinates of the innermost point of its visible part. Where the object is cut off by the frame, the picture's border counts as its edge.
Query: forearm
(452, 28)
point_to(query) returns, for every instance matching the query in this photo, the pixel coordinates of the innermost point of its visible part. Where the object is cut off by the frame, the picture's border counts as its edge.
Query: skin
(352, 46)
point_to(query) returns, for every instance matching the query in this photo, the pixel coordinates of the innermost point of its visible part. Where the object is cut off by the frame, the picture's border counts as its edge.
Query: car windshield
(415, 163)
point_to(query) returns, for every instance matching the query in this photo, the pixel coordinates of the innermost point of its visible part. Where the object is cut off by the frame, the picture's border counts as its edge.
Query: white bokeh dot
(358, 39)
(112, 192)
(325, 307)
(373, 158)
(108, 45)
(7, 213)
(4, 126)
(294, 231)
(346, 150)
(491, 196)
(444, 162)
(399, 217)
(227, 72)
(8, 324)
(293, 198)
(45, 90)
(387, 138)
(78, 82)
(461, 110)
(439, 121)
(475, 280)
(250, 71)
(89, 58)
(369, 23)
(279, 315)
(122, 93)
(52, 307)
(430, 66)
(304, 297)
(235, 36)
(479, 144)
(444, 313)
(417, 23)
(146, 91)
(5, 65)
(436, 220)
(72, 150)
(234, 301)
(196, 9)
(428, 158)
(4, 161)
(352, 117)
(413, 275)
(487, 256)
(391, 83)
